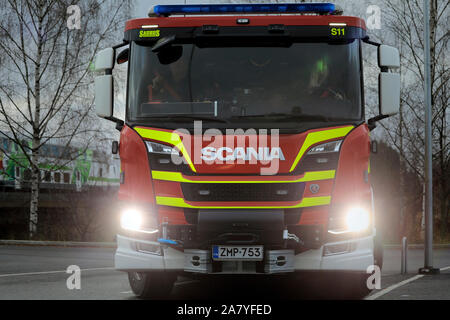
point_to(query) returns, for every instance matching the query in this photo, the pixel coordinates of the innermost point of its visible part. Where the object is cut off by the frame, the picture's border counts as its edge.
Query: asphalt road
(40, 273)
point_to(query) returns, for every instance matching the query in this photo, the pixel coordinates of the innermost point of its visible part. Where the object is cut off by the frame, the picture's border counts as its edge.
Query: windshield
(307, 82)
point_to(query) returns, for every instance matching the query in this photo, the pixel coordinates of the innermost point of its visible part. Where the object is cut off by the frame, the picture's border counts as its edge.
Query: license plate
(238, 253)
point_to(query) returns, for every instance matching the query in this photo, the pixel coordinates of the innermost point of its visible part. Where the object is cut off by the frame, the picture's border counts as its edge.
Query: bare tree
(46, 50)
(404, 25)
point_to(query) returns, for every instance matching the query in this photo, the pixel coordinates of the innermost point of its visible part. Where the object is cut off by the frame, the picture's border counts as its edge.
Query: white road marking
(48, 272)
(127, 292)
(393, 287)
(398, 285)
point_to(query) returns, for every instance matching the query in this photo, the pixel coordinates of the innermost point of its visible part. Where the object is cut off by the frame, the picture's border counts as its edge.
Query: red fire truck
(245, 148)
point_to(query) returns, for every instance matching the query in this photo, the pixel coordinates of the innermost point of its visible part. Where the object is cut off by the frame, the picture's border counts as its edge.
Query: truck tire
(359, 289)
(351, 286)
(328, 285)
(152, 285)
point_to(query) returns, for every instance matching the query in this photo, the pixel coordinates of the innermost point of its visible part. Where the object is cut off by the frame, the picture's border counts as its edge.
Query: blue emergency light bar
(167, 10)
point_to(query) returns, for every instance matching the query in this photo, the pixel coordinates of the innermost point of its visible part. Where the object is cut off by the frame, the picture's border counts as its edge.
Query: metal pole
(404, 268)
(428, 267)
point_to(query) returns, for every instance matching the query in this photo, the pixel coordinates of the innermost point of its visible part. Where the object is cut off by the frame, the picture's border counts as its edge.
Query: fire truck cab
(245, 148)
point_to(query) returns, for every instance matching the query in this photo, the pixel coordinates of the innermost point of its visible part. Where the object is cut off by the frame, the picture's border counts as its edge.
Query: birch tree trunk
(46, 94)
(34, 163)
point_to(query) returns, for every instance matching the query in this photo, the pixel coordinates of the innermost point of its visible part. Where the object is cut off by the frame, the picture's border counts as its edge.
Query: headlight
(354, 220)
(357, 220)
(329, 147)
(154, 147)
(136, 220)
(131, 219)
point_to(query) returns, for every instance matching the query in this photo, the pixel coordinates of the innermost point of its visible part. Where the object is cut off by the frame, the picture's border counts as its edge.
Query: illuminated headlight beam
(132, 220)
(355, 220)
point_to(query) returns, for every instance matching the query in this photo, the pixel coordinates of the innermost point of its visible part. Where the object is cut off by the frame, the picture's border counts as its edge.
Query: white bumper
(129, 258)
(358, 259)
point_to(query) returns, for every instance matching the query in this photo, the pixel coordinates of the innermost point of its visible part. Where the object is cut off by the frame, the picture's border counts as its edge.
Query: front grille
(243, 191)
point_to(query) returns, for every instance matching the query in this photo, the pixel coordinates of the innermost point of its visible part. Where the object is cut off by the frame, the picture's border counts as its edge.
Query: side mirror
(389, 84)
(123, 56)
(104, 60)
(388, 57)
(389, 93)
(104, 84)
(104, 96)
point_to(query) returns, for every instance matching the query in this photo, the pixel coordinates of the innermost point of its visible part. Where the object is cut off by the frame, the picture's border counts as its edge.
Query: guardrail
(59, 244)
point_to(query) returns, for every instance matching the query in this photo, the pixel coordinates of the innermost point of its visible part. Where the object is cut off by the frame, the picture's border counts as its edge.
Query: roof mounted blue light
(167, 10)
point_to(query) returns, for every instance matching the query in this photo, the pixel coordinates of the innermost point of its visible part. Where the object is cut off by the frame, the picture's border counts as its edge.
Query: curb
(59, 244)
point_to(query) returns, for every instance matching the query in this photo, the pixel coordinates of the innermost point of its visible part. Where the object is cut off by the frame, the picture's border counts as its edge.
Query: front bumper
(140, 255)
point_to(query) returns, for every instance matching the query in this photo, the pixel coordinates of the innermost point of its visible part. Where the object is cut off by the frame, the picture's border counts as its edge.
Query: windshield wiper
(289, 117)
(188, 117)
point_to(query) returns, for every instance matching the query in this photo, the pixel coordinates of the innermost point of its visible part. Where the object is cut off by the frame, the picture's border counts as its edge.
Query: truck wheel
(359, 289)
(349, 286)
(152, 285)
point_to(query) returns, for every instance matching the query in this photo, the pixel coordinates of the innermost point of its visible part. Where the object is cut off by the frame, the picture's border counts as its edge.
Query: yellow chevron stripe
(320, 136)
(309, 176)
(174, 139)
(169, 138)
(306, 202)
